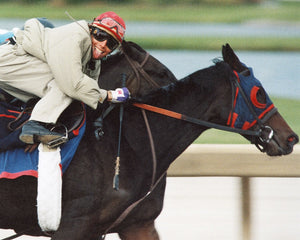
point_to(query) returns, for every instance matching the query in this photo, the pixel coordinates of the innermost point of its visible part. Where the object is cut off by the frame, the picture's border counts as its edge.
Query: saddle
(15, 113)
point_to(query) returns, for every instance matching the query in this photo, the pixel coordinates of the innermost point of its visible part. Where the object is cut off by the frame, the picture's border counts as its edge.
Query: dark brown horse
(90, 204)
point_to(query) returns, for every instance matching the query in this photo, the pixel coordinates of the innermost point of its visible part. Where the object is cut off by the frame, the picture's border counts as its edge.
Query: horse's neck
(171, 136)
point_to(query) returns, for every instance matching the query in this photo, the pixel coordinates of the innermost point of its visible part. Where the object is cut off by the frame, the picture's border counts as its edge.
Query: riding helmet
(111, 23)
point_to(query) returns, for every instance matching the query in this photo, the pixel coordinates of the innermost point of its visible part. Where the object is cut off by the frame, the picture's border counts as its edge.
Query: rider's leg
(25, 77)
(51, 105)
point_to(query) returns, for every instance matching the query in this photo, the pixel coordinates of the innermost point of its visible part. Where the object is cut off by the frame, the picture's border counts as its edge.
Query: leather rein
(260, 143)
(259, 137)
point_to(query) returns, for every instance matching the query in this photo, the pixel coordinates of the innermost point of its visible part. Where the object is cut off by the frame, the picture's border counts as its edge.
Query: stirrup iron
(60, 140)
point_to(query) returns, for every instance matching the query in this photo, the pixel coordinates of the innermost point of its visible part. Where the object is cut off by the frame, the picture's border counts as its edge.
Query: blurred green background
(182, 11)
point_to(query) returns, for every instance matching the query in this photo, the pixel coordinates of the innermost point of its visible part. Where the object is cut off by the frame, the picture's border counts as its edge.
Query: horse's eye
(258, 97)
(261, 95)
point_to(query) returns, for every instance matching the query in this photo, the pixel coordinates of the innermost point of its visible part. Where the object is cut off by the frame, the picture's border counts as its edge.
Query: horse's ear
(125, 46)
(132, 50)
(230, 58)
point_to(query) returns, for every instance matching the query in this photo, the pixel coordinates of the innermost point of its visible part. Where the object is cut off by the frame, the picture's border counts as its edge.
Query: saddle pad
(16, 163)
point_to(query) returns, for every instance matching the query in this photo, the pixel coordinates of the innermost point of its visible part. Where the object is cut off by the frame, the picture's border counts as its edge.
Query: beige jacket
(67, 51)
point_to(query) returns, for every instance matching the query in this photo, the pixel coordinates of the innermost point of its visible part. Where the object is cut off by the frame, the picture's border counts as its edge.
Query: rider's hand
(119, 95)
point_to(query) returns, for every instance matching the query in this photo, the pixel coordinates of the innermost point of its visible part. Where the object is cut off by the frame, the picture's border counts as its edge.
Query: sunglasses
(101, 36)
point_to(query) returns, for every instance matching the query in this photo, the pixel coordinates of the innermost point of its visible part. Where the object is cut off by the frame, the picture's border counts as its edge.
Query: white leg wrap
(49, 188)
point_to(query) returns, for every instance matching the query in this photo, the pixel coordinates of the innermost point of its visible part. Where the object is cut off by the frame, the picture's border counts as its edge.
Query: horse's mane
(203, 81)
(127, 48)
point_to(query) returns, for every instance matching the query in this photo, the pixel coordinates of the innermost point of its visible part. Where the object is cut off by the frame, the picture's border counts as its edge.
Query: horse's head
(144, 72)
(253, 110)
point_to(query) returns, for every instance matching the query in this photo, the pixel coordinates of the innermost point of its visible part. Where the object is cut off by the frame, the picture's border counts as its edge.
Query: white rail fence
(235, 160)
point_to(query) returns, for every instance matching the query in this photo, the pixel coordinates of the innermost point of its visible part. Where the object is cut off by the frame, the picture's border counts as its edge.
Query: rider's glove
(120, 95)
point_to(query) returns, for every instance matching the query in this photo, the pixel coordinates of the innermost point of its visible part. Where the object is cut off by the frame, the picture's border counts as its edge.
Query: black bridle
(259, 137)
(265, 133)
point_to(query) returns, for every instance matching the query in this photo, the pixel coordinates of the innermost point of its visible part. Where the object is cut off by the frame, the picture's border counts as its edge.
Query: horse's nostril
(293, 139)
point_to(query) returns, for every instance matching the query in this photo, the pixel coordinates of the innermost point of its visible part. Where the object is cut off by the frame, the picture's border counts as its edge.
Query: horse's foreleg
(140, 232)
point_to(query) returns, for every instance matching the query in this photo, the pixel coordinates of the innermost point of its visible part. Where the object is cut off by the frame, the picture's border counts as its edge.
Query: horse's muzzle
(292, 140)
(274, 148)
